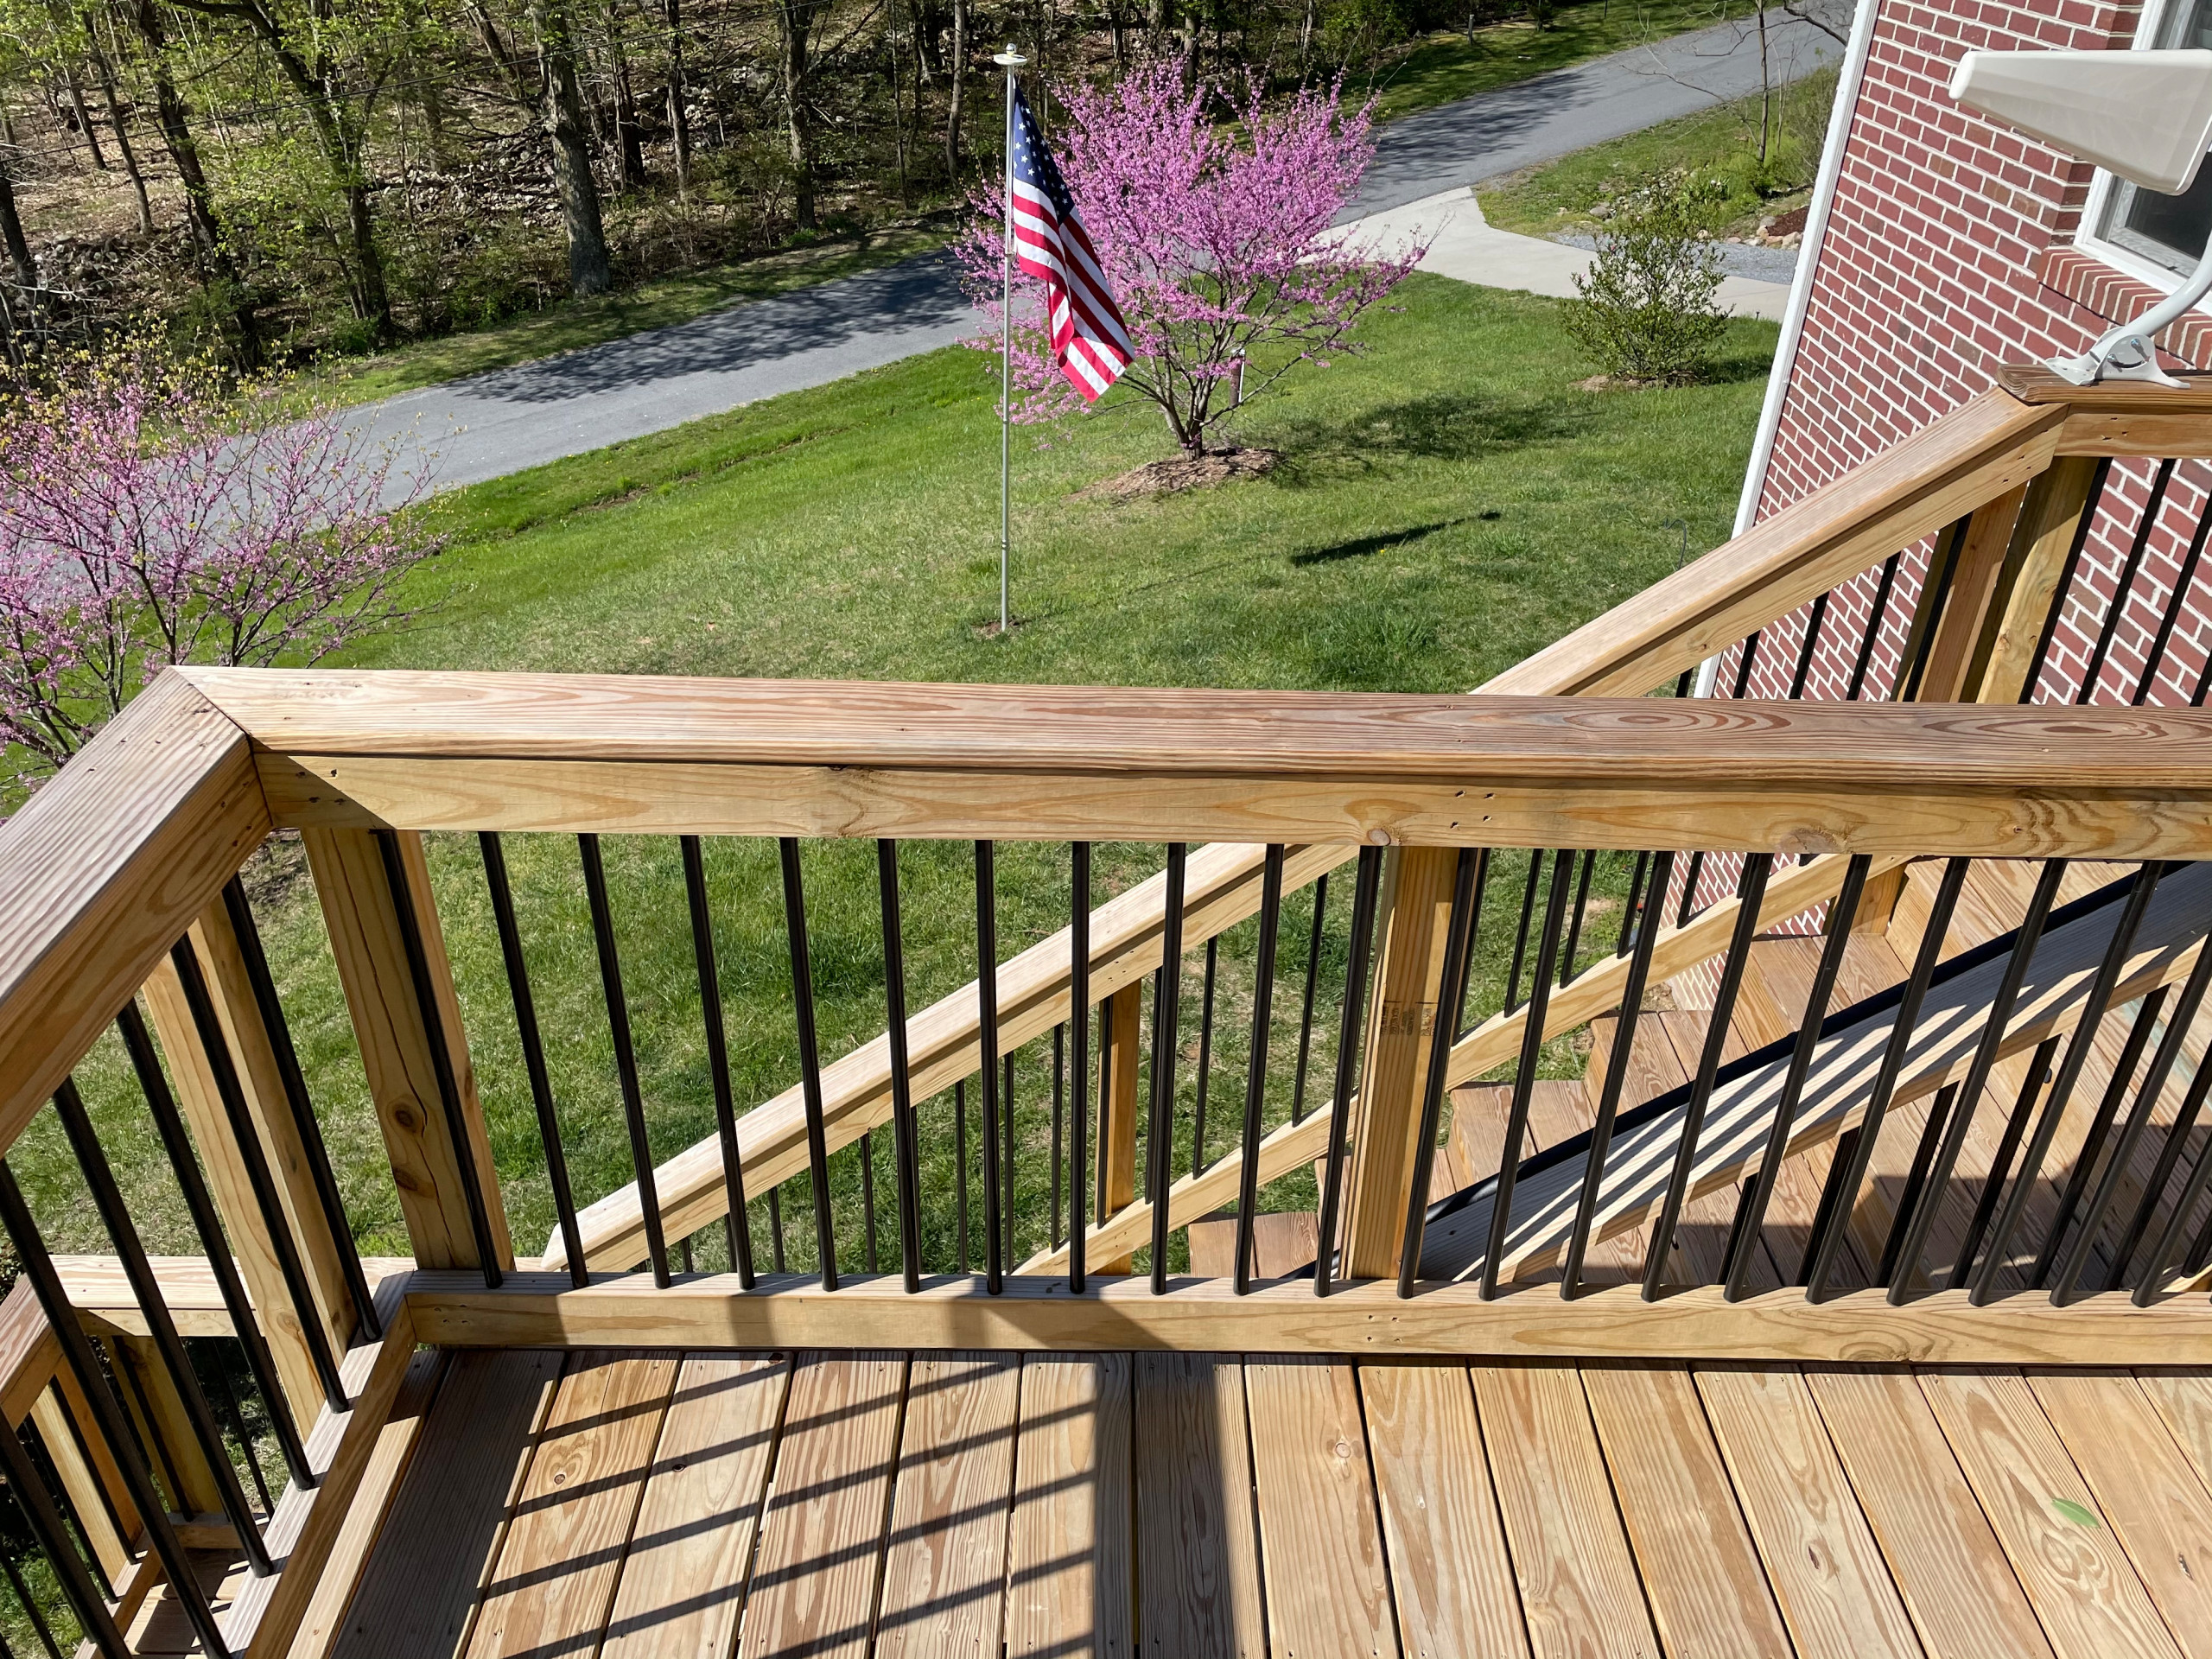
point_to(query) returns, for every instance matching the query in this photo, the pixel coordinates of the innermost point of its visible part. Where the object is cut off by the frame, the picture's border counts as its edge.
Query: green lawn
(1445, 506)
(1717, 148)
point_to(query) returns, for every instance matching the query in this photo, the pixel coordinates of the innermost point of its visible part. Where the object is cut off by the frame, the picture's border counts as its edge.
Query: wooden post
(2034, 564)
(1117, 1115)
(1402, 1027)
(222, 965)
(82, 1481)
(366, 938)
(169, 1439)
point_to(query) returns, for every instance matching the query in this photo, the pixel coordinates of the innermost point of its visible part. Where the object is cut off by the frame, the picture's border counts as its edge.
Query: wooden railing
(119, 897)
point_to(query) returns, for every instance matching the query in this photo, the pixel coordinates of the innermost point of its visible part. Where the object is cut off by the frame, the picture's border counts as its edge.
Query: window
(2168, 232)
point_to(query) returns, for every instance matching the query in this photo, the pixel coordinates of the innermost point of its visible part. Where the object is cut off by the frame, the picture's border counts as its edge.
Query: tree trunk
(959, 77)
(589, 271)
(217, 270)
(84, 117)
(679, 121)
(123, 147)
(794, 20)
(628, 148)
(1766, 90)
(11, 232)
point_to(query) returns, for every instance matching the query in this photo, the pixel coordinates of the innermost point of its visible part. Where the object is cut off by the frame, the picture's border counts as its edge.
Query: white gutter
(1800, 288)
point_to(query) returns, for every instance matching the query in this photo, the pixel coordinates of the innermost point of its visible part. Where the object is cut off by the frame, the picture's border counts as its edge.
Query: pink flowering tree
(149, 516)
(1212, 214)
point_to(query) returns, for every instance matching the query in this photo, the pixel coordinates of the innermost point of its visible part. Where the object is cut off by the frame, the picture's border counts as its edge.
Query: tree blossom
(148, 516)
(1215, 236)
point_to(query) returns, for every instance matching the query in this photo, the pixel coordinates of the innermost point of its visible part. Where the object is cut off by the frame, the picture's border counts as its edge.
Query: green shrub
(1646, 314)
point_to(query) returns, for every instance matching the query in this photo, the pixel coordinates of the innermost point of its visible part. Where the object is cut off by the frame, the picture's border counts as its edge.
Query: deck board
(1071, 1584)
(1320, 1539)
(417, 1595)
(1827, 1572)
(554, 1580)
(683, 1579)
(814, 1582)
(1449, 1569)
(1578, 1588)
(944, 1570)
(1197, 1543)
(1701, 1576)
(1948, 1565)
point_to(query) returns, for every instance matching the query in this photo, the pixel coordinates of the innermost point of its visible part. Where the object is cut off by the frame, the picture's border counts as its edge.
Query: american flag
(1089, 340)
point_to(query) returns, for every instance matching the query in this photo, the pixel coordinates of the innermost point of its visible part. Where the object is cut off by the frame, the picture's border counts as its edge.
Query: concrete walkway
(489, 425)
(1463, 244)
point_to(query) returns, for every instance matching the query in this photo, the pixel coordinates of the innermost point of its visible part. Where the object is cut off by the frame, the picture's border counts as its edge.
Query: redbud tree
(150, 515)
(1211, 213)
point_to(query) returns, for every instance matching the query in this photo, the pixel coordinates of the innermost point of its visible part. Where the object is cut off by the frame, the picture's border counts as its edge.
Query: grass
(1445, 506)
(1717, 148)
(578, 323)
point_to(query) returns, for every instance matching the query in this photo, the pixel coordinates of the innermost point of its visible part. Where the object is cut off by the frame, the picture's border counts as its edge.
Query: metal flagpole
(1009, 60)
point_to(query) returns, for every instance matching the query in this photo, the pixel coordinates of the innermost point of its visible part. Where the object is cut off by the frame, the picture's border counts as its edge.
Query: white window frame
(2126, 261)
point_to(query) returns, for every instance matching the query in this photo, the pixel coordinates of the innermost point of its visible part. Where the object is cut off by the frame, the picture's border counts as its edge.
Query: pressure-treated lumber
(2119, 417)
(105, 867)
(1971, 455)
(1197, 1543)
(1965, 631)
(363, 922)
(1071, 1588)
(2027, 584)
(682, 1582)
(1223, 886)
(30, 1351)
(82, 1481)
(1844, 1064)
(945, 1569)
(1117, 1117)
(542, 1310)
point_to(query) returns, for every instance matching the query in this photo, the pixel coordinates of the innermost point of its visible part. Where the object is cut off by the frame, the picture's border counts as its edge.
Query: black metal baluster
(2065, 588)
(1365, 888)
(960, 1165)
(1635, 901)
(683, 1253)
(1166, 1008)
(1924, 642)
(1876, 615)
(1916, 1182)
(1985, 1056)
(2070, 1072)
(2139, 1121)
(2183, 585)
(1813, 621)
(1750, 1210)
(906, 1143)
(737, 1232)
(867, 1197)
(1828, 1240)
(160, 1328)
(256, 961)
(169, 1123)
(253, 1158)
(1757, 866)
(231, 1404)
(1609, 1093)
(2170, 1153)
(1457, 933)
(1466, 968)
(1744, 664)
(1079, 1057)
(31, 1610)
(1574, 919)
(1524, 1074)
(100, 1487)
(84, 1597)
(1521, 931)
(987, 1032)
(809, 1062)
(77, 1351)
(625, 1059)
(2000, 1163)
(533, 1054)
(2192, 1191)
(2147, 1014)
(1689, 888)
(776, 1228)
(1206, 1063)
(2126, 585)
(442, 1071)
(1006, 1158)
(1834, 1197)
(1060, 1122)
(1306, 1006)
(1256, 1077)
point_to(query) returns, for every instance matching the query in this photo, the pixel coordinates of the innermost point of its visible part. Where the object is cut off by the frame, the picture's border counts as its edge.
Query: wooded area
(298, 177)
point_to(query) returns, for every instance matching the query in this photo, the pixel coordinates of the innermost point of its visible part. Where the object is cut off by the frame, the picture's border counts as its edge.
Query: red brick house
(1940, 247)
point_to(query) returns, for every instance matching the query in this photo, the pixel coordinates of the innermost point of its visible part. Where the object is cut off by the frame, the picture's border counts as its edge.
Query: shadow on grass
(1452, 426)
(1363, 546)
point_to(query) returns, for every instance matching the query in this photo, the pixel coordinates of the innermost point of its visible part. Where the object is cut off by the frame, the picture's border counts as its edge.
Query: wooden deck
(707, 1504)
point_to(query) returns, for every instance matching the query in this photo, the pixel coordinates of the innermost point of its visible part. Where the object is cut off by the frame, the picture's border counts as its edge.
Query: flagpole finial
(1010, 57)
